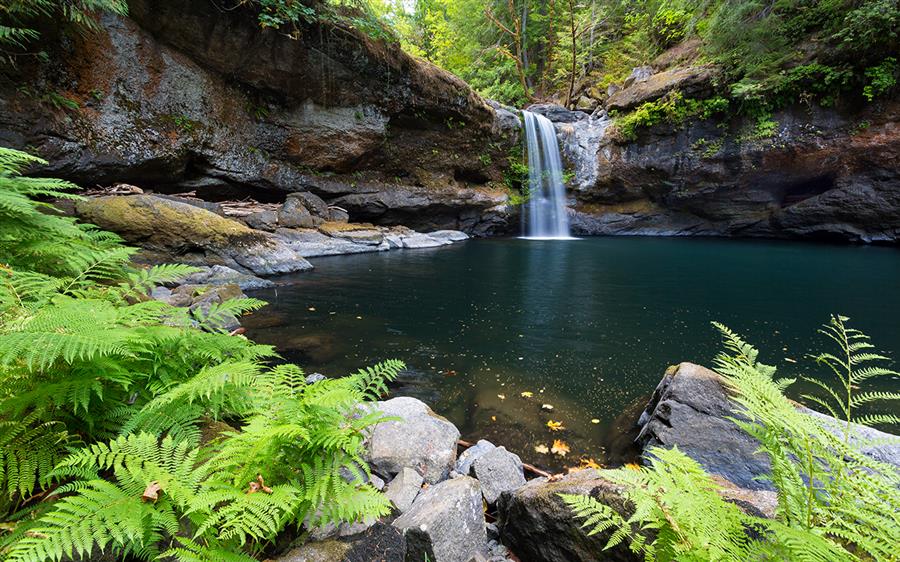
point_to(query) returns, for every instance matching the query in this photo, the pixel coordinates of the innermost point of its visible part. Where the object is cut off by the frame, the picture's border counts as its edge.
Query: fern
(834, 502)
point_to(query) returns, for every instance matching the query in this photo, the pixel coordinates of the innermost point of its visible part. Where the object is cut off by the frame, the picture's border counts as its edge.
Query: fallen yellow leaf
(632, 466)
(590, 463)
(595, 420)
(559, 448)
(501, 396)
(527, 394)
(542, 449)
(546, 406)
(555, 425)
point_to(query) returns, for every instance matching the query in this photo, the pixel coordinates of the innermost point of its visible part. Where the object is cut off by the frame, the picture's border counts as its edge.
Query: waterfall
(545, 213)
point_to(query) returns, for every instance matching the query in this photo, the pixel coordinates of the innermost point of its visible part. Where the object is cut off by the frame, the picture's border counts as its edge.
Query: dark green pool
(586, 326)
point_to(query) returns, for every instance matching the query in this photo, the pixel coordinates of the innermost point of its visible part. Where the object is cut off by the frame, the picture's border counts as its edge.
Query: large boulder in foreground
(539, 527)
(191, 234)
(421, 440)
(691, 409)
(445, 523)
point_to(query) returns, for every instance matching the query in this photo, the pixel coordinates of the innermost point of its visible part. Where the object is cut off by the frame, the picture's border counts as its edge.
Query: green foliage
(834, 503)
(669, 25)
(672, 109)
(104, 394)
(881, 78)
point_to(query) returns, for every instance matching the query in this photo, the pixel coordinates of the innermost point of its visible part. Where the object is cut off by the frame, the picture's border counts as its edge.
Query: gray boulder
(422, 440)
(472, 454)
(262, 220)
(222, 275)
(498, 471)
(541, 527)
(312, 243)
(557, 113)
(377, 542)
(448, 236)
(415, 241)
(694, 81)
(445, 523)
(316, 206)
(638, 74)
(294, 214)
(691, 409)
(404, 488)
(336, 214)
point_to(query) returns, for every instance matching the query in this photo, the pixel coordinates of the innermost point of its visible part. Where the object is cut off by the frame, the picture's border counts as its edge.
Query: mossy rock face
(161, 224)
(176, 231)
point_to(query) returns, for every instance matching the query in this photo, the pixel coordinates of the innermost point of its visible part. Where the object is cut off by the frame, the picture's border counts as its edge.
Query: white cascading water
(545, 214)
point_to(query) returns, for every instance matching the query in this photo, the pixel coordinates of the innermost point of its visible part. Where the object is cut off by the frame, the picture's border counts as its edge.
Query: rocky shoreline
(477, 504)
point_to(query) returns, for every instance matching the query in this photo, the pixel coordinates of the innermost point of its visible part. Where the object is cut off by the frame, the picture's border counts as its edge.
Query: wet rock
(690, 409)
(316, 206)
(472, 454)
(541, 526)
(557, 113)
(423, 440)
(695, 81)
(378, 542)
(448, 235)
(445, 523)
(404, 488)
(190, 234)
(314, 378)
(498, 471)
(221, 275)
(414, 241)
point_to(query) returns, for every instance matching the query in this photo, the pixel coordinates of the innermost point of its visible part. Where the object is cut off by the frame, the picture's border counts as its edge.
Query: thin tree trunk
(574, 53)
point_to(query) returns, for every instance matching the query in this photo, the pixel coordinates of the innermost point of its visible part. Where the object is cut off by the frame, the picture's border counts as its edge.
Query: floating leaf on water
(501, 396)
(546, 406)
(595, 420)
(559, 448)
(555, 425)
(527, 394)
(311, 309)
(493, 418)
(542, 449)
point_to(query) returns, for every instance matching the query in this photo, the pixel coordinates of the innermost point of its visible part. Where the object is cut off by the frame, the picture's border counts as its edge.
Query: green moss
(672, 109)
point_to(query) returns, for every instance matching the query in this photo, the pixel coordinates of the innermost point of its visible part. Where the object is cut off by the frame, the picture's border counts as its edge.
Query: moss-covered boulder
(190, 234)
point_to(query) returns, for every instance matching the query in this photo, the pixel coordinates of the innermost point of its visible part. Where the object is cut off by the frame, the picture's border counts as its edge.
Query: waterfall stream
(545, 209)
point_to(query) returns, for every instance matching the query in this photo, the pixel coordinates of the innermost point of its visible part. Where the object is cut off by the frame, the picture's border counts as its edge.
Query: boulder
(336, 214)
(294, 214)
(222, 275)
(445, 523)
(190, 234)
(448, 236)
(691, 409)
(557, 113)
(378, 542)
(262, 220)
(470, 455)
(541, 528)
(421, 440)
(694, 81)
(498, 471)
(316, 206)
(418, 240)
(638, 74)
(313, 243)
(404, 488)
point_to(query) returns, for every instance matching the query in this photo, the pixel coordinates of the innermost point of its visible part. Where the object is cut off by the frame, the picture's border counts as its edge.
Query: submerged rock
(445, 523)
(222, 275)
(423, 441)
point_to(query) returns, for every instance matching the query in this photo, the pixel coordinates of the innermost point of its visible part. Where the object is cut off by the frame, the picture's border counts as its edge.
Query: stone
(222, 275)
(190, 234)
(498, 471)
(534, 519)
(336, 214)
(314, 378)
(690, 409)
(379, 541)
(445, 523)
(415, 241)
(161, 294)
(262, 220)
(470, 455)
(423, 440)
(212, 295)
(448, 235)
(557, 113)
(692, 82)
(638, 74)
(313, 243)
(294, 214)
(316, 206)
(404, 488)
